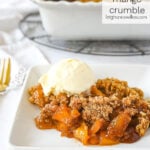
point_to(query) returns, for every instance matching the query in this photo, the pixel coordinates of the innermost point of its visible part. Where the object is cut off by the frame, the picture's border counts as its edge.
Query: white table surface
(9, 102)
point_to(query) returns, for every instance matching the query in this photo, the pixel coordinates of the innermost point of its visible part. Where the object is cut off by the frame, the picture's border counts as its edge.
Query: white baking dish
(83, 21)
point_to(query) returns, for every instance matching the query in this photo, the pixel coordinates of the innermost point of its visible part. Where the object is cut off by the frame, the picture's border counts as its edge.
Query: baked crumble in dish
(108, 113)
(78, 0)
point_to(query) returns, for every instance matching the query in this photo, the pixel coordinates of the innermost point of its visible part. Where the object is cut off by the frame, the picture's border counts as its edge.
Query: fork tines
(5, 69)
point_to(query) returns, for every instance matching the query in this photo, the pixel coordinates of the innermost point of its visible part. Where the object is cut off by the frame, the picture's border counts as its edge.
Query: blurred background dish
(83, 21)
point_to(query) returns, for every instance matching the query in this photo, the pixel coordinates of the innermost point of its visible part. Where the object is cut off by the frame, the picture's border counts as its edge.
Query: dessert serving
(94, 111)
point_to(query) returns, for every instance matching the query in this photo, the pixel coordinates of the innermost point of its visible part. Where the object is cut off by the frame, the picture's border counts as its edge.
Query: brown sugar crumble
(109, 113)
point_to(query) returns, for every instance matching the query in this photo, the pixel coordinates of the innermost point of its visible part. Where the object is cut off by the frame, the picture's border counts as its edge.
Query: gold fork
(5, 70)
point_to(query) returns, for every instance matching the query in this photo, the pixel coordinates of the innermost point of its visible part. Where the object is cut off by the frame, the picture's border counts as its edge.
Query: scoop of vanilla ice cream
(69, 76)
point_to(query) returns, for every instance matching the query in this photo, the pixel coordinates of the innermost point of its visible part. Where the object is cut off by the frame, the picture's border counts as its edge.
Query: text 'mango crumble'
(108, 112)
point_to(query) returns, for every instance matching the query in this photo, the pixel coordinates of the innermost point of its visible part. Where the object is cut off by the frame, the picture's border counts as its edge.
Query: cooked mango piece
(105, 140)
(94, 139)
(61, 126)
(81, 133)
(118, 125)
(96, 92)
(62, 114)
(97, 125)
(65, 115)
(43, 125)
(75, 113)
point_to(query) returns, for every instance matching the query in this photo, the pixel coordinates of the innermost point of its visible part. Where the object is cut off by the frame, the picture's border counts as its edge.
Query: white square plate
(24, 134)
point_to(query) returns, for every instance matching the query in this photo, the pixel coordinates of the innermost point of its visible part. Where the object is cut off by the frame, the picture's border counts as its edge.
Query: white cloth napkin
(12, 11)
(12, 43)
(24, 53)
